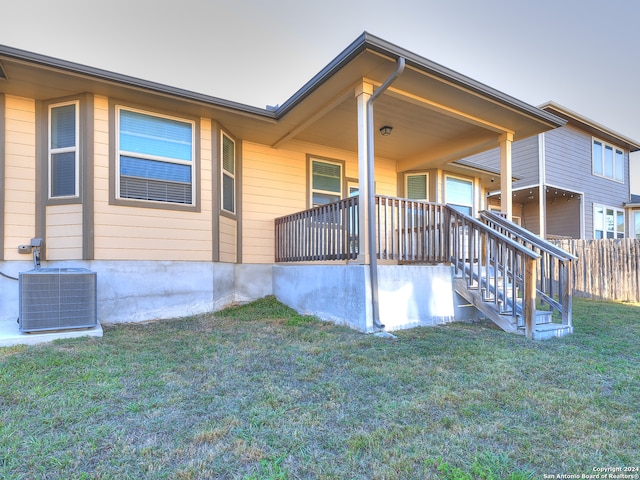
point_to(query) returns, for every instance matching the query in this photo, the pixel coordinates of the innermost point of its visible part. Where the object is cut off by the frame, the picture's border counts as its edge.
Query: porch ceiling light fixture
(386, 130)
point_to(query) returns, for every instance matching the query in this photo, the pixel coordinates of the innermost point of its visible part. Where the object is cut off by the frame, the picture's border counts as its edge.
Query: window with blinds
(228, 174)
(63, 150)
(326, 182)
(416, 186)
(155, 157)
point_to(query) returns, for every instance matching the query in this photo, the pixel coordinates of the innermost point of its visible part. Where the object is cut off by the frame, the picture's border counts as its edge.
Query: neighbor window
(608, 161)
(326, 182)
(458, 192)
(416, 186)
(608, 222)
(636, 224)
(63, 150)
(155, 157)
(228, 174)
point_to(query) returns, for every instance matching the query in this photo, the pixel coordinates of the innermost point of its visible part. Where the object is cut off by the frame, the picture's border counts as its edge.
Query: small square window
(326, 182)
(416, 186)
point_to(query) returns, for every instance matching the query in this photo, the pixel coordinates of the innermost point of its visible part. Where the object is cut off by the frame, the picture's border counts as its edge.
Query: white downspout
(373, 261)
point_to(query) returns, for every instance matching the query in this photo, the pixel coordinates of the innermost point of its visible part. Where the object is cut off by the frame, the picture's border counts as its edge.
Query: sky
(582, 54)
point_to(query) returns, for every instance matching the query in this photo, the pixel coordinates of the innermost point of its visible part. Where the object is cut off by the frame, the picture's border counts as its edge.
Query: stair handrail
(483, 253)
(550, 253)
(482, 226)
(519, 231)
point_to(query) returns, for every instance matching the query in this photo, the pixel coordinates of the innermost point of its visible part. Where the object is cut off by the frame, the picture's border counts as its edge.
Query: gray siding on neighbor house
(569, 166)
(524, 154)
(525, 160)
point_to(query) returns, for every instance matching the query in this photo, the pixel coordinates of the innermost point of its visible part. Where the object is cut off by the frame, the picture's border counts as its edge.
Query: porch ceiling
(531, 195)
(435, 119)
(419, 135)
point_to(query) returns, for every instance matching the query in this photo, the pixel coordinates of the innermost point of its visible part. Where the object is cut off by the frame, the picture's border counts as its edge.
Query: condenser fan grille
(57, 298)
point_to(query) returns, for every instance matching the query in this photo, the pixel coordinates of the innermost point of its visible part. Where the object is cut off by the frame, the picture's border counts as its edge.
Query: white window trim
(119, 153)
(636, 232)
(406, 184)
(615, 150)
(224, 172)
(326, 192)
(615, 215)
(473, 190)
(75, 148)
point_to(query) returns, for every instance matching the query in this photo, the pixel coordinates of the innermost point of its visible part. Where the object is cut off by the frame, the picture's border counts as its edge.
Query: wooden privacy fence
(606, 269)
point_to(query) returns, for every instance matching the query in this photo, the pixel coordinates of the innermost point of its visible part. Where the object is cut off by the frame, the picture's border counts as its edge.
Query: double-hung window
(155, 157)
(608, 222)
(228, 174)
(63, 150)
(608, 161)
(458, 192)
(326, 182)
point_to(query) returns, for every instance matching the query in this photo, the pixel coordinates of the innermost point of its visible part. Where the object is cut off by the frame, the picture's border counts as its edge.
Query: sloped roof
(438, 115)
(591, 126)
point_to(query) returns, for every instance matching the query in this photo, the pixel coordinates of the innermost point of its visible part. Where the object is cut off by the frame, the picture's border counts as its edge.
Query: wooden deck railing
(410, 231)
(554, 267)
(328, 232)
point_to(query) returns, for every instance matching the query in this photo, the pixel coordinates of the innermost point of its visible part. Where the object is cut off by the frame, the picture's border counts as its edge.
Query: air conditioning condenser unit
(57, 299)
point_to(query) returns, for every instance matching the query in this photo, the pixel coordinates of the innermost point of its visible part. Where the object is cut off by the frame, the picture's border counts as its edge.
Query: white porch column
(542, 189)
(363, 93)
(506, 188)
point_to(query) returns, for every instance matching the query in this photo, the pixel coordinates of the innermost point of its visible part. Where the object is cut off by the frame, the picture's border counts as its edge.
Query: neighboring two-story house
(570, 182)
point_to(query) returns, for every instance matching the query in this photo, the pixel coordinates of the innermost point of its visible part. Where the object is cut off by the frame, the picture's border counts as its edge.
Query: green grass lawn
(259, 392)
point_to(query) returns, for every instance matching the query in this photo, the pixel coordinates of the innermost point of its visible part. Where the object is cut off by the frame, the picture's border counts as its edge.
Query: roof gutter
(99, 74)
(373, 259)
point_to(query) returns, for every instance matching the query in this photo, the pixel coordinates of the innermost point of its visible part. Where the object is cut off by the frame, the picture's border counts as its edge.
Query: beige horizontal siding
(275, 184)
(139, 233)
(64, 232)
(20, 174)
(228, 240)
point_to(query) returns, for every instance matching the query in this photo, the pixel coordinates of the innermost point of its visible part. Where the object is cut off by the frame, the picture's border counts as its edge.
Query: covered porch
(389, 254)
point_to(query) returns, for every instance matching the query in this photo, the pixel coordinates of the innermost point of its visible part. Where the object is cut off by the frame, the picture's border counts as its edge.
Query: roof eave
(589, 124)
(366, 41)
(126, 80)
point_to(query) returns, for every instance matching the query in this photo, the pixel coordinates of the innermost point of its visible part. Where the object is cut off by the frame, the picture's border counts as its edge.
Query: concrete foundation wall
(416, 295)
(133, 291)
(409, 296)
(336, 293)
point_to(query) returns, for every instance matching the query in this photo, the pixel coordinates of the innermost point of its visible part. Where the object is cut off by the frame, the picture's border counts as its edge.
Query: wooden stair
(543, 329)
